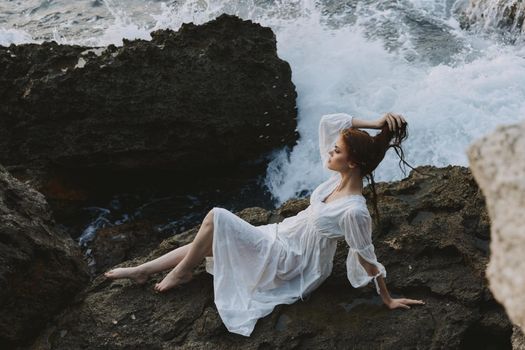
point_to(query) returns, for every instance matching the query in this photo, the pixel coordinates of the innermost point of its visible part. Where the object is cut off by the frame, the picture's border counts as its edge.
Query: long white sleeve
(329, 128)
(356, 224)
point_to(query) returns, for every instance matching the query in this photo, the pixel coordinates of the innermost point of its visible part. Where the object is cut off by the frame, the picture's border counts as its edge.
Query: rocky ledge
(433, 240)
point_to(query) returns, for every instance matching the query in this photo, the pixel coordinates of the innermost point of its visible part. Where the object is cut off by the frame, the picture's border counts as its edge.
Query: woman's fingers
(404, 303)
(394, 121)
(389, 122)
(399, 120)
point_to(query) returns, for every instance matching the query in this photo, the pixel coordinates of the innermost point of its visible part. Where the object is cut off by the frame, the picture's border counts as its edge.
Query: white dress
(256, 268)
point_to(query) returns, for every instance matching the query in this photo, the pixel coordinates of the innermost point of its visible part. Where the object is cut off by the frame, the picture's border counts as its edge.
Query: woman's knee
(208, 219)
(216, 211)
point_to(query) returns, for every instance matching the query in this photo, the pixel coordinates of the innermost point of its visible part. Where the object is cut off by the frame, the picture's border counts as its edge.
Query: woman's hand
(394, 121)
(402, 303)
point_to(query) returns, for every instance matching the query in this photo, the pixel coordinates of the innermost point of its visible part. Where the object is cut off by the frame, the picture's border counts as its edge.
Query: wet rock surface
(505, 15)
(41, 268)
(433, 240)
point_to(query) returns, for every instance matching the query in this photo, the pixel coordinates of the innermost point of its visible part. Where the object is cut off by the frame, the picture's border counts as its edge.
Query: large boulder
(433, 240)
(206, 100)
(41, 268)
(498, 164)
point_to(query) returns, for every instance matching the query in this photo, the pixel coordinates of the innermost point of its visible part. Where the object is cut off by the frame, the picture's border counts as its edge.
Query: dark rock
(432, 239)
(113, 245)
(204, 101)
(41, 268)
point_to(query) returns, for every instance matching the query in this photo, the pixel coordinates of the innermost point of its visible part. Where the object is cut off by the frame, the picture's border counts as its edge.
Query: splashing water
(364, 58)
(493, 15)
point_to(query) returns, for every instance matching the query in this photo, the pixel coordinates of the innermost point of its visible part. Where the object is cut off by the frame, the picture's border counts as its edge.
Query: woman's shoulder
(357, 206)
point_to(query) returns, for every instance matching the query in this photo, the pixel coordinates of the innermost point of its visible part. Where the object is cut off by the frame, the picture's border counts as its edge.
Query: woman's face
(338, 156)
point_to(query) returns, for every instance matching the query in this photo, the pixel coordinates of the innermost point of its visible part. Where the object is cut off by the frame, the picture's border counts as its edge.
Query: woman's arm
(365, 124)
(372, 270)
(393, 121)
(356, 225)
(391, 303)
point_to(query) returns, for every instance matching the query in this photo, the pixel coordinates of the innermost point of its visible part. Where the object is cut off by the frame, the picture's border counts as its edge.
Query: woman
(256, 268)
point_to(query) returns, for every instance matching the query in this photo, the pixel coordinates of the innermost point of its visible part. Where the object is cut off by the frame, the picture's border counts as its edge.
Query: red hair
(368, 151)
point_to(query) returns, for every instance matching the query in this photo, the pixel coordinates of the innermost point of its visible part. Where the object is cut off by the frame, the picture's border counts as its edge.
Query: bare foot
(135, 273)
(172, 279)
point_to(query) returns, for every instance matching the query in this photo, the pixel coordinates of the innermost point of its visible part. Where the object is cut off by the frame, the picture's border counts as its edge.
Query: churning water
(361, 57)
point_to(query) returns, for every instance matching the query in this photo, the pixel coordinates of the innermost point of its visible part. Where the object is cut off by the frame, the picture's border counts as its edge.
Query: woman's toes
(127, 272)
(109, 274)
(158, 287)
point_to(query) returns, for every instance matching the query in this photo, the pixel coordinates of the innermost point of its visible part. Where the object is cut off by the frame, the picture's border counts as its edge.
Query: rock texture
(518, 339)
(113, 245)
(508, 15)
(197, 102)
(498, 164)
(41, 268)
(433, 240)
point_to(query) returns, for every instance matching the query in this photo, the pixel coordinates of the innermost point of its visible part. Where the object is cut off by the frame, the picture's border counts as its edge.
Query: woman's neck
(351, 183)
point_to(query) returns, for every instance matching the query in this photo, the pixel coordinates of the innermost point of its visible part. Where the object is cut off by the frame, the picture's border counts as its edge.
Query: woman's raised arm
(366, 124)
(394, 121)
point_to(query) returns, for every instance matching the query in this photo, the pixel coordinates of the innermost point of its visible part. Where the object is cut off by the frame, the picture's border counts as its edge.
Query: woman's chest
(325, 216)
(325, 220)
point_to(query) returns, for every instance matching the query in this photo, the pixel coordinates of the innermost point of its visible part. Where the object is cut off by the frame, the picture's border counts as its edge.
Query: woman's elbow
(370, 269)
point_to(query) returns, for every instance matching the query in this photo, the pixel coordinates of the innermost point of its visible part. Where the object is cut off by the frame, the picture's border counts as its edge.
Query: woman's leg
(200, 248)
(141, 272)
